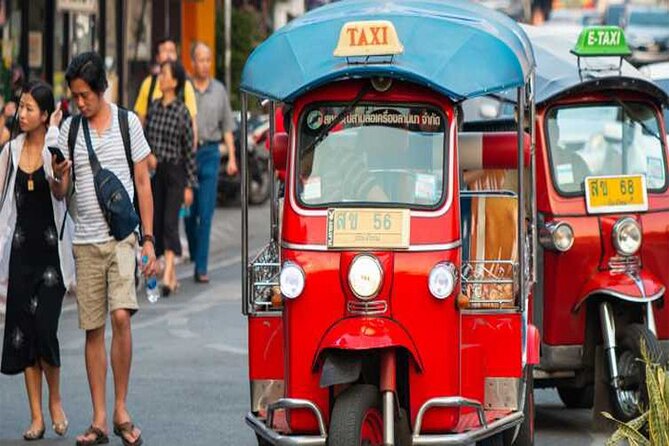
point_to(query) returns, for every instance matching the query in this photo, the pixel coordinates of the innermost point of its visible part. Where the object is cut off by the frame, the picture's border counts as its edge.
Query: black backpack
(124, 127)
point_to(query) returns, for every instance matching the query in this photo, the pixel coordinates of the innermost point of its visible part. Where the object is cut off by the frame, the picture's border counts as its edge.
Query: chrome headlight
(442, 280)
(557, 236)
(627, 236)
(365, 277)
(291, 280)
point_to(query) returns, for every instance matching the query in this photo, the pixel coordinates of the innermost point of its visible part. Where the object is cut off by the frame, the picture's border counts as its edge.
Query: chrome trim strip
(265, 392)
(626, 298)
(412, 248)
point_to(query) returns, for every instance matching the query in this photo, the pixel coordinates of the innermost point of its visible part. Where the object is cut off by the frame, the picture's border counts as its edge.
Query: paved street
(189, 377)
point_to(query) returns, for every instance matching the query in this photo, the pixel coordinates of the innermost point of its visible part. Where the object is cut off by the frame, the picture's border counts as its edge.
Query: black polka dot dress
(35, 289)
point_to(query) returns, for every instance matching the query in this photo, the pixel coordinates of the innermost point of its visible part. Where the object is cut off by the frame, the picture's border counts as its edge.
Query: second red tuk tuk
(603, 207)
(390, 305)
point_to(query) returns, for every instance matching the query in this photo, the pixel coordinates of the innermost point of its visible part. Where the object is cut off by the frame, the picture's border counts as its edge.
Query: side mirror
(280, 154)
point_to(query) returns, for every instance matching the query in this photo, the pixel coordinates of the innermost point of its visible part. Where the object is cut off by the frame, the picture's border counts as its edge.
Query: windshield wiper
(339, 118)
(636, 120)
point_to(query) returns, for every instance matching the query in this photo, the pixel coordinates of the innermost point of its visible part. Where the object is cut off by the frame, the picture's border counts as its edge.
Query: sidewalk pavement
(222, 230)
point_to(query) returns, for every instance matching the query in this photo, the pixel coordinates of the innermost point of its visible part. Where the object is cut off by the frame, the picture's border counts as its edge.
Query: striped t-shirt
(90, 225)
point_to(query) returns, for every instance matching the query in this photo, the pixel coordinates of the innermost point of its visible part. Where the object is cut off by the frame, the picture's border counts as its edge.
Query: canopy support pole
(245, 206)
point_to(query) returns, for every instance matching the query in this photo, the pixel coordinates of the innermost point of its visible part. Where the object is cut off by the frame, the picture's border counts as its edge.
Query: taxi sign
(368, 38)
(612, 194)
(597, 41)
(368, 228)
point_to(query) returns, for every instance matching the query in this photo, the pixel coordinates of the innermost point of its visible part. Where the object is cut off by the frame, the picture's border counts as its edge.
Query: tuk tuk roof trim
(449, 47)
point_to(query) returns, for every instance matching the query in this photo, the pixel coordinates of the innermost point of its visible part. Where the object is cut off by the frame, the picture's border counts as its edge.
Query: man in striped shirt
(104, 266)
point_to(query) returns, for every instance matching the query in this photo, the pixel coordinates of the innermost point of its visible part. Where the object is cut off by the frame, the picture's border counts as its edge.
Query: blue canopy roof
(558, 73)
(455, 47)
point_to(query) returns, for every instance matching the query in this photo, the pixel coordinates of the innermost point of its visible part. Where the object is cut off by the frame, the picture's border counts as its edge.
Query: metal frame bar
(522, 91)
(245, 206)
(533, 173)
(274, 214)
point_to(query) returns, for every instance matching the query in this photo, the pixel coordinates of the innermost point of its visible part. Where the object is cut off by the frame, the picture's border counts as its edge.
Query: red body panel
(265, 347)
(491, 347)
(568, 277)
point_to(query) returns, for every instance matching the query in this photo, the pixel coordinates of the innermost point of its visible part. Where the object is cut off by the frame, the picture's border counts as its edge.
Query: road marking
(227, 349)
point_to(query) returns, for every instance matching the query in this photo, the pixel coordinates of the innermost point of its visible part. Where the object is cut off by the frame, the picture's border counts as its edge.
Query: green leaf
(631, 434)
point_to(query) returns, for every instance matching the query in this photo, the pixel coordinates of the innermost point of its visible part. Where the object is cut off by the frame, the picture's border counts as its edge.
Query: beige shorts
(105, 280)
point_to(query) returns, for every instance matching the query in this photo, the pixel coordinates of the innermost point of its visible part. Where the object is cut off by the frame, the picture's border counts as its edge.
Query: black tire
(348, 413)
(259, 190)
(631, 370)
(577, 397)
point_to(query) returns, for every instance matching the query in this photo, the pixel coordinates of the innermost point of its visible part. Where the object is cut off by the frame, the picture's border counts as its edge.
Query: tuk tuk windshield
(375, 155)
(605, 139)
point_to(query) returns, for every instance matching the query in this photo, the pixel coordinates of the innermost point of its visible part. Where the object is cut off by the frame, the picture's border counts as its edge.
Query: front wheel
(356, 418)
(632, 392)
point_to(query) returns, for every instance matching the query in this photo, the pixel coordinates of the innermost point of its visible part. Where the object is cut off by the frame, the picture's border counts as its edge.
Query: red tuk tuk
(390, 305)
(602, 213)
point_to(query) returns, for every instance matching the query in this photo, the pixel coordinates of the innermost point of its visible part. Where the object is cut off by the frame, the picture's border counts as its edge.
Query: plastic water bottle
(152, 291)
(184, 212)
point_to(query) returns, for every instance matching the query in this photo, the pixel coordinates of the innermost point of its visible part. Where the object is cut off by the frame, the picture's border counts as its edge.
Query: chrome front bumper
(486, 430)
(265, 430)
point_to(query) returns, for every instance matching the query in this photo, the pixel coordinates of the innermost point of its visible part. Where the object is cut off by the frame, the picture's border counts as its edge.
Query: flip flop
(100, 437)
(123, 429)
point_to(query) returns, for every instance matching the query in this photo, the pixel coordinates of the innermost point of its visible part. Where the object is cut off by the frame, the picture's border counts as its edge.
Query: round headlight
(291, 280)
(627, 236)
(365, 277)
(557, 236)
(563, 237)
(442, 280)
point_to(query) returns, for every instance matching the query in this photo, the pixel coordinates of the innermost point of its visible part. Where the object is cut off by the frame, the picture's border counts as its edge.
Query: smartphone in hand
(57, 153)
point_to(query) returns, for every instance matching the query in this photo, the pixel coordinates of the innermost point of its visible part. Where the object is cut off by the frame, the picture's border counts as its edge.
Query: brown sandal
(100, 437)
(127, 428)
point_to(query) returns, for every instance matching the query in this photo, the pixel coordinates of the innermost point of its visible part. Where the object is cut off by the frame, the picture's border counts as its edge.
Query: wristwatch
(147, 238)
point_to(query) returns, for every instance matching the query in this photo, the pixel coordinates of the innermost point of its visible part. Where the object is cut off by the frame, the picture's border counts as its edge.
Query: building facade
(39, 37)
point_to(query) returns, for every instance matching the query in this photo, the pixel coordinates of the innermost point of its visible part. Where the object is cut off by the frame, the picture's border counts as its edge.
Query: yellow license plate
(610, 194)
(368, 228)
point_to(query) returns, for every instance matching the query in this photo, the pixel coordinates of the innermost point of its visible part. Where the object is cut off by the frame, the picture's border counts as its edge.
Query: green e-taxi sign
(597, 41)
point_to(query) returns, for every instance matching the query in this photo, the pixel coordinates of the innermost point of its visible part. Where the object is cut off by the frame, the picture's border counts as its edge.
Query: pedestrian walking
(149, 91)
(170, 134)
(106, 143)
(215, 125)
(36, 265)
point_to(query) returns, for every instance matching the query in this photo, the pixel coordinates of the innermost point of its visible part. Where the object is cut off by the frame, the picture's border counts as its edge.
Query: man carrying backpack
(105, 166)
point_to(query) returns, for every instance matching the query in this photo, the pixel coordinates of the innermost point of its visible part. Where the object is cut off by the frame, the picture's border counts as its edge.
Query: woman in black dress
(36, 265)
